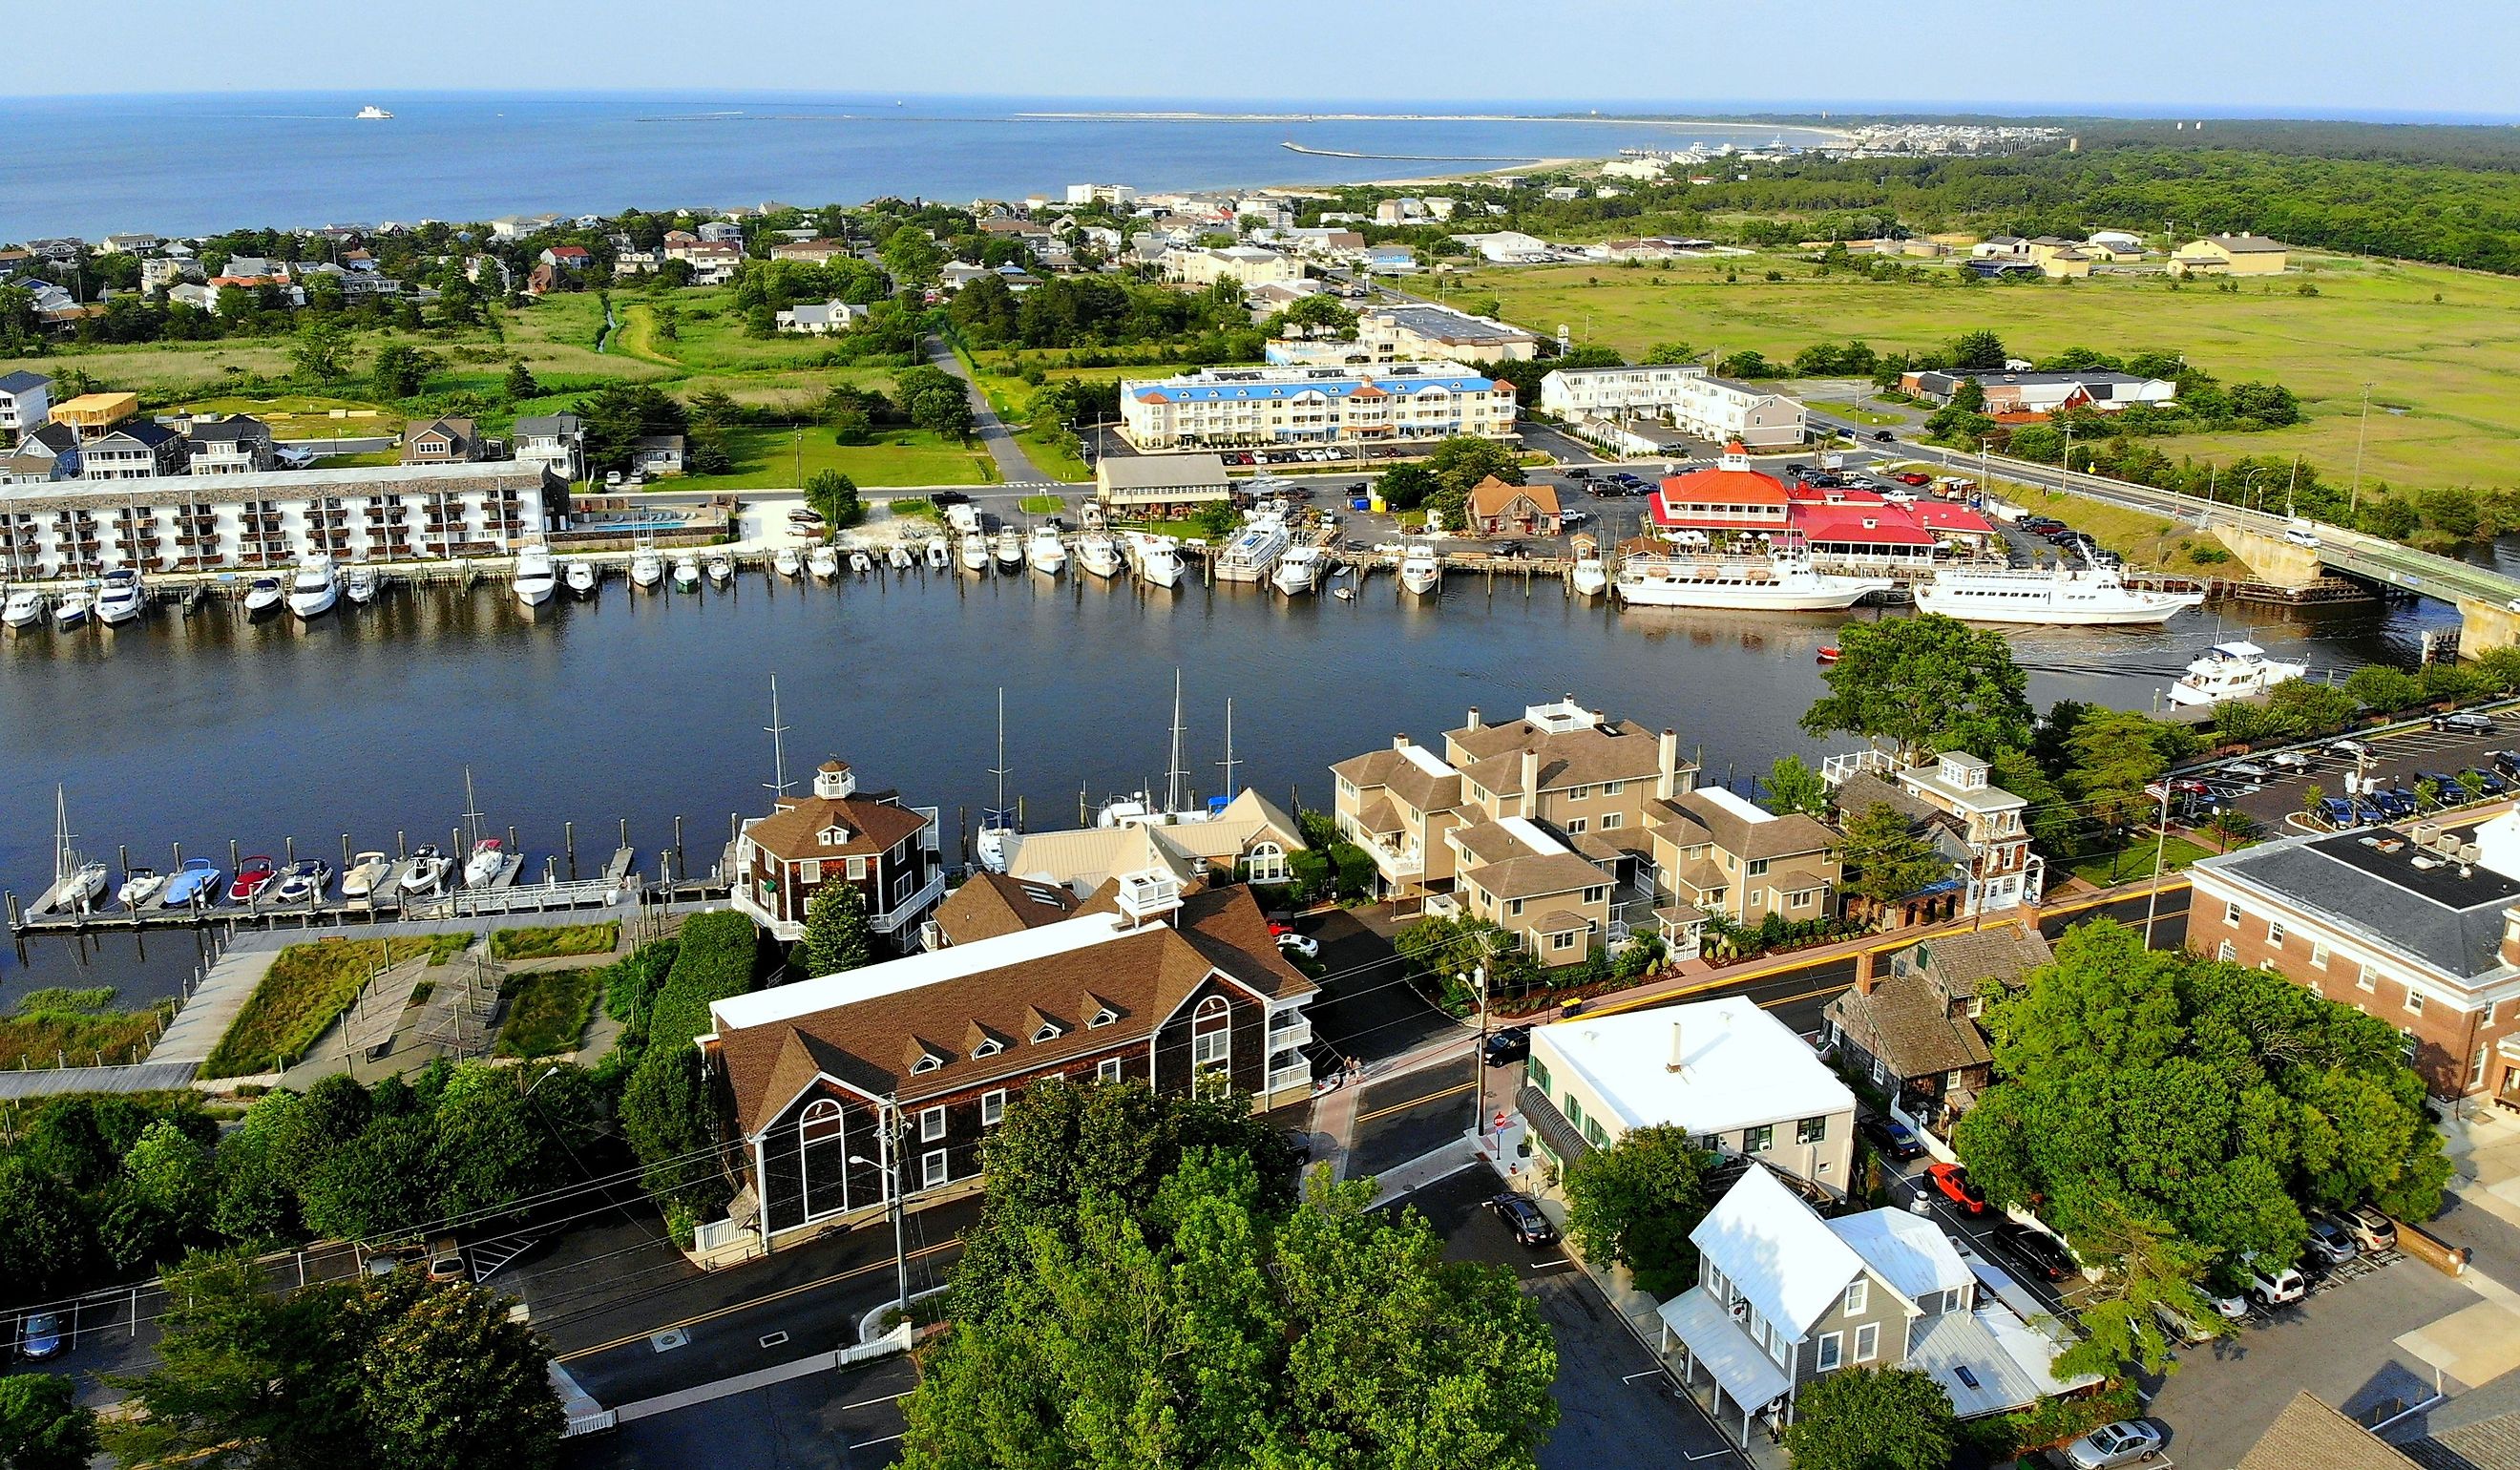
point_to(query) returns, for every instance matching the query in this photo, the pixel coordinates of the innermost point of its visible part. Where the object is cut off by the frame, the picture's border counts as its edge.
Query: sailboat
(77, 882)
(995, 841)
(1139, 808)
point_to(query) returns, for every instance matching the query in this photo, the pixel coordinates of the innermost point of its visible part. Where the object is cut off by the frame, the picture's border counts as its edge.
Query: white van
(2301, 533)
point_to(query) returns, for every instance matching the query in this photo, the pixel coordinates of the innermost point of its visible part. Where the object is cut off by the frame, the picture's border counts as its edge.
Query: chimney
(1679, 1063)
(1667, 764)
(1531, 783)
(1475, 720)
(1400, 741)
(1865, 973)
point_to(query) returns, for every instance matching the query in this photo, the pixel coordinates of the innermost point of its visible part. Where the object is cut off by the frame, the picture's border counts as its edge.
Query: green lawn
(2449, 364)
(2108, 870)
(78, 1026)
(307, 986)
(1041, 505)
(552, 940)
(547, 1012)
(778, 459)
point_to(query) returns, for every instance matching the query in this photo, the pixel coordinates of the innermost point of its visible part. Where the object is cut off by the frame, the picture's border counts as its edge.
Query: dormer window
(1048, 1031)
(835, 837)
(927, 1062)
(1103, 1017)
(990, 1047)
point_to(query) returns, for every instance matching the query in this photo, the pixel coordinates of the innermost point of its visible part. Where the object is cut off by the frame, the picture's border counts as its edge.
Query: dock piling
(679, 864)
(569, 843)
(232, 854)
(287, 850)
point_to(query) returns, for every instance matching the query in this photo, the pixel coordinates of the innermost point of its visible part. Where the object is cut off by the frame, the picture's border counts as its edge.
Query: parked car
(1954, 1182)
(1524, 1220)
(943, 498)
(2505, 761)
(41, 1336)
(2396, 802)
(2330, 1241)
(2478, 778)
(446, 1260)
(2339, 812)
(2371, 1229)
(2348, 747)
(1300, 944)
(2290, 760)
(2274, 1288)
(1912, 478)
(2043, 1253)
(1506, 1046)
(2300, 534)
(2125, 1443)
(2248, 771)
(1881, 436)
(1894, 1139)
(2464, 722)
(2445, 786)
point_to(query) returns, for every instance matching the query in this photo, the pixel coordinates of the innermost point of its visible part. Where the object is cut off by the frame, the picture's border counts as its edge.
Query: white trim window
(1858, 1295)
(1108, 1069)
(1831, 1345)
(822, 1122)
(931, 1124)
(1868, 1342)
(1267, 863)
(993, 1107)
(934, 1170)
(1211, 1037)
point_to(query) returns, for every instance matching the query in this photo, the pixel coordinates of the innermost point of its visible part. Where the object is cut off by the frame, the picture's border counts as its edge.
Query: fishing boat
(1299, 571)
(646, 568)
(823, 563)
(196, 883)
(1590, 578)
(976, 552)
(994, 843)
(140, 887)
(687, 574)
(582, 578)
(313, 590)
(77, 884)
(305, 880)
(488, 861)
(25, 609)
(72, 609)
(1095, 552)
(1782, 581)
(263, 595)
(359, 585)
(122, 599)
(2233, 671)
(1046, 552)
(533, 581)
(1009, 547)
(940, 556)
(1254, 552)
(424, 873)
(366, 875)
(721, 569)
(859, 563)
(1421, 571)
(786, 563)
(2058, 596)
(1158, 560)
(899, 558)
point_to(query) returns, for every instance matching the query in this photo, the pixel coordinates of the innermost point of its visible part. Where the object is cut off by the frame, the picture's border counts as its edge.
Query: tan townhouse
(1518, 876)
(1721, 854)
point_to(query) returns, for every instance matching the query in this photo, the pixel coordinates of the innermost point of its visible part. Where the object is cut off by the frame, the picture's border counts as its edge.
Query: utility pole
(2160, 849)
(2362, 431)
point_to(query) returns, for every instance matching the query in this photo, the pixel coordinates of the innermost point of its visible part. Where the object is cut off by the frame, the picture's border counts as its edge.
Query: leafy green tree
(400, 370)
(1886, 859)
(1792, 785)
(238, 1376)
(520, 383)
(1635, 1202)
(381, 1182)
(2114, 754)
(491, 1148)
(1978, 351)
(46, 1243)
(616, 416)
(945, 411)
(445, 1381)
(671, 1123)
(173, 1173)
(1405, 487)
(1662, 353)
(2384, 688)
(1320, 315)
(833, 495)
(42, 1424)
(1873, 1419)
(322, 352)
(2144, 1266)
(1925, 684)
(704, 452)
(912, 257)
(837, 937)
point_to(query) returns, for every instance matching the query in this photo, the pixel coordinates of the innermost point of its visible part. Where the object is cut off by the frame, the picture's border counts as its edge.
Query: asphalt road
(848, 1420)
(1367, 1009)
(1404, 1117)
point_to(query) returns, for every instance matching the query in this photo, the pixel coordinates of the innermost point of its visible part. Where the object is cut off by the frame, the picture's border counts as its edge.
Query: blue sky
(2155, 57)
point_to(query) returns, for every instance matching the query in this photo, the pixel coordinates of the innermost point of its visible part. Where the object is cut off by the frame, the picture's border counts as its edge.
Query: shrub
(554, 940)
(547, 1012)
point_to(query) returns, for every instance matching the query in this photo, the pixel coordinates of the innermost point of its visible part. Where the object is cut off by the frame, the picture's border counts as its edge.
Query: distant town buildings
(1683, 395)
(1235, 407)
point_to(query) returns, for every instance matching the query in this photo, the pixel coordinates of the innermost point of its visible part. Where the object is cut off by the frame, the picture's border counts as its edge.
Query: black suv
(1506, 1046)
(2037, 1250)
(2464, 722)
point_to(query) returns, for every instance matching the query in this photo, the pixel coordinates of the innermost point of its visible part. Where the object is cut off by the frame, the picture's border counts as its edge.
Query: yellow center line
(745, 1305)
(1402, 1107)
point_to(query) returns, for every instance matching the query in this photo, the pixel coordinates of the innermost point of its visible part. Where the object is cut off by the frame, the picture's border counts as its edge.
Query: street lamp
(2249, 482)
(892, 1166)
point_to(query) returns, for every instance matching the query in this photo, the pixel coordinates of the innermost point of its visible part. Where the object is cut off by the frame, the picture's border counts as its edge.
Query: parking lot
(2271, 788)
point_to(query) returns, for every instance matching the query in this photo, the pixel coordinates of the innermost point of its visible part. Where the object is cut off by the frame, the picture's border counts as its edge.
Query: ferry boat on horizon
(373, 114)
(2062, 596)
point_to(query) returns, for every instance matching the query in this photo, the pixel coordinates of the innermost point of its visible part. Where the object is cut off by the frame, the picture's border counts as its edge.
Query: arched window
(1268, 863)
(821, 1119)
(1211, 1039)
(822, 1158)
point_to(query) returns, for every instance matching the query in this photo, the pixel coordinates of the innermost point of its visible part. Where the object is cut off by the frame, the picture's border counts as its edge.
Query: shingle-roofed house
(838, 834)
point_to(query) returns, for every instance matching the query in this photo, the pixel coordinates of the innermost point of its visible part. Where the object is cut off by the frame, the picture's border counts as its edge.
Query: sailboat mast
(1000, 769)
(471, 809)
(64, 862)
(778, 734)
(1228, 763)
(1173, 774)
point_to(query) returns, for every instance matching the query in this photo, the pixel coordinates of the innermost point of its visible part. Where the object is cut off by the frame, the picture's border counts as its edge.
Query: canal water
(644, 707)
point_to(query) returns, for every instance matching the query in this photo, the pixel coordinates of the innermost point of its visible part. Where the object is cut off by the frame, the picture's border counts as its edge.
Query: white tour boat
(122, 599)
(1591, 577)
(1299, 571)
(976, 552)
(1009, 547)
(1421, 571)
(533, 581)
(2063, 596)
(1779, 582)
(1254, 552)
(2233, 671)
(1046, 552)
(314, 590)
(372, 114)
(1158, 560)
(1097, 554)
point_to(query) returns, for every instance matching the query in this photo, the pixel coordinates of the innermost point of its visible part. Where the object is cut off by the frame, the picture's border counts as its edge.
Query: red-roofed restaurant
(1734, 499)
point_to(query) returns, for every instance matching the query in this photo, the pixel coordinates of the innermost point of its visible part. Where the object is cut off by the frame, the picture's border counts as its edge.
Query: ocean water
(189, 165)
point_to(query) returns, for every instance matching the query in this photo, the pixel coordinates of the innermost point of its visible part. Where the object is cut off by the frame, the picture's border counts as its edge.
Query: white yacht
(1046, 552)
(372, 114)
(1591, 577)
(140, 887)
(687, 574)
(1254, 552)
(25, 610)
(72, 609)
(582, 578)
(1779, 582)
(263, 595)
(2063, 596)
(1158, 560)
(823, 563)
(424, 873)
(940, 556)
(1421, 571)
(786, 563)
(1299, 571)
(1009, 547)
(1097, 554)
(359, 585)
(976, 552)
(122, 599)
(721, 569)
(314, 590)
(2233, 671)
(533, 581)
(646, 568)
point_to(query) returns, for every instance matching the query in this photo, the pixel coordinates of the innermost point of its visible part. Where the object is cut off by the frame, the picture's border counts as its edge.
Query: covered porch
(1699, 1331)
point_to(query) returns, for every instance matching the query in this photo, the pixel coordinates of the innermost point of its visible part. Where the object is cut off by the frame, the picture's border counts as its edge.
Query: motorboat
(72, 609)
(77, 884)
(488, 861)
(2062, 596)
(1782, 581)
(304, 881)
(534, 581)
(122, 597)
(1254, 550)
(1158, 560)
(314, 590)
(721, 570)
(253, 876)
(1046, 552)
(1299, 571)
(859, 563)
(786, 563)
(940, 556)
(359, 585)
(1590, 578)
(1097, 554)
(140, 887)
(424, 872)
(1421, 571)
(976, 552)
(823, 563)
(366, 875)
(263, 595)
(1830, 653)
(899, 558)
(687, 574)
(2233, 671)
(1009, 547)
(196, 883)
(582, 578)
(372, 114)
(25, 609)
(646, 568)
(1344, 594)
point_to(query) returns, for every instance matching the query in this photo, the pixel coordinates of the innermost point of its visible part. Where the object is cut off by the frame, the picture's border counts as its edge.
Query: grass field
(553, 940)
(2447, 363)
(768, 459)
(547, 1012)
(2108, 869)
(307, 986)
(78, 1026)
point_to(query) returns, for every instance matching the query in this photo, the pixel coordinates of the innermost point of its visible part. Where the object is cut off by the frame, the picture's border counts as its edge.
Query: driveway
(1014, 464)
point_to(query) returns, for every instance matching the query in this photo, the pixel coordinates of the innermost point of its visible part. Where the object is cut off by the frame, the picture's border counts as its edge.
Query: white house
(1225, 407)
(1506, 246)
(821, 317)
(26, 404)
(1681, 395)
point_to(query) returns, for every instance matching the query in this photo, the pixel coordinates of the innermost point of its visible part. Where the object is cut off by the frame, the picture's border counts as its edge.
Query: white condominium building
(1222, 407)
(1681, 395)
